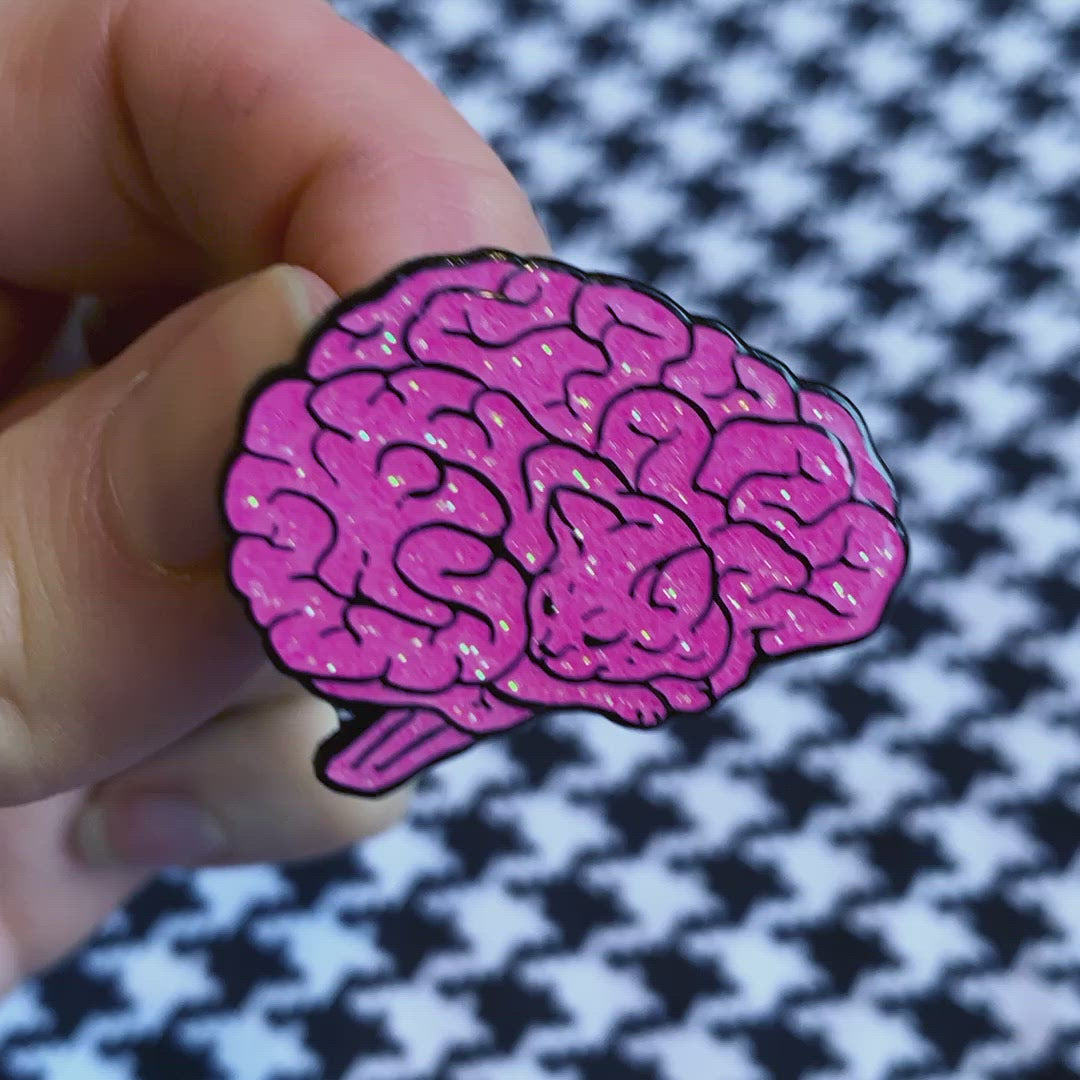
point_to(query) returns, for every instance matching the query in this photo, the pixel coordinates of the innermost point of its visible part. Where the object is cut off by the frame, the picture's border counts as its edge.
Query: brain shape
(494, 486)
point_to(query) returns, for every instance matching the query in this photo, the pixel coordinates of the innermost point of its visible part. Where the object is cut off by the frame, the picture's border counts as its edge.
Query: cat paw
(646, 710)
(682, 695)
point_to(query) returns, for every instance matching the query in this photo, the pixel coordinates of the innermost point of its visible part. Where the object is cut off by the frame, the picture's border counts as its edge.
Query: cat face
(624, 598)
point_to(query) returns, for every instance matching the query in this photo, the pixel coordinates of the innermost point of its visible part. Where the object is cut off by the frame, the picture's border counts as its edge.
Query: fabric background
(865, 865)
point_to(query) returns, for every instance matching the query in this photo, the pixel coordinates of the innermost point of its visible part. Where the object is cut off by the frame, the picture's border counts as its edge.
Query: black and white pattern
(865, 866)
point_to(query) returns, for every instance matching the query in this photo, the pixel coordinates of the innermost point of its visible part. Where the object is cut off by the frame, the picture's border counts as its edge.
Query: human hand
(158, 150)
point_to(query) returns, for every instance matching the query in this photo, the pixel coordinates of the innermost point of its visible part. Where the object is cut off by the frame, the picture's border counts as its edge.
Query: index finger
(188, 141)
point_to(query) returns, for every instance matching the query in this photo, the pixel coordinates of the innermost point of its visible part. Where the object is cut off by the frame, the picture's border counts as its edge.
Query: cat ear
(576, 518)
(684, 582)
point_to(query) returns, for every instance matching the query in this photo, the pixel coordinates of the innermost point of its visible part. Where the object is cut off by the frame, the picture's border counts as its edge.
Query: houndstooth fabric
(865, 865)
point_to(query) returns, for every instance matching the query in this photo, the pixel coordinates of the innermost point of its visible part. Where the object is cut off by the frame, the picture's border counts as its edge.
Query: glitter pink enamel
(486, 443)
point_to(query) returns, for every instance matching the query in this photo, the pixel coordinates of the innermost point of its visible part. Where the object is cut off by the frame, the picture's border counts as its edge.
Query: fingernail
(148, 831)
(168, 438)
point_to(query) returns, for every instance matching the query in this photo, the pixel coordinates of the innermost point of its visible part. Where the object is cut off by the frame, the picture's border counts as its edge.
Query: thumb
(117, 633)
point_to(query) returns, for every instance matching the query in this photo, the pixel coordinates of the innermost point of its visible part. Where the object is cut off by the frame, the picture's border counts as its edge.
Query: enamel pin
(493, 486)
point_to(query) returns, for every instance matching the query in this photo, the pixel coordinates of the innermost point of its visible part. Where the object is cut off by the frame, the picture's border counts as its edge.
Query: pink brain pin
(491, 487)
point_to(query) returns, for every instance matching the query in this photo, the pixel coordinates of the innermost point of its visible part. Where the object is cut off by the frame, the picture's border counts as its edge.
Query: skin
(161, 155)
